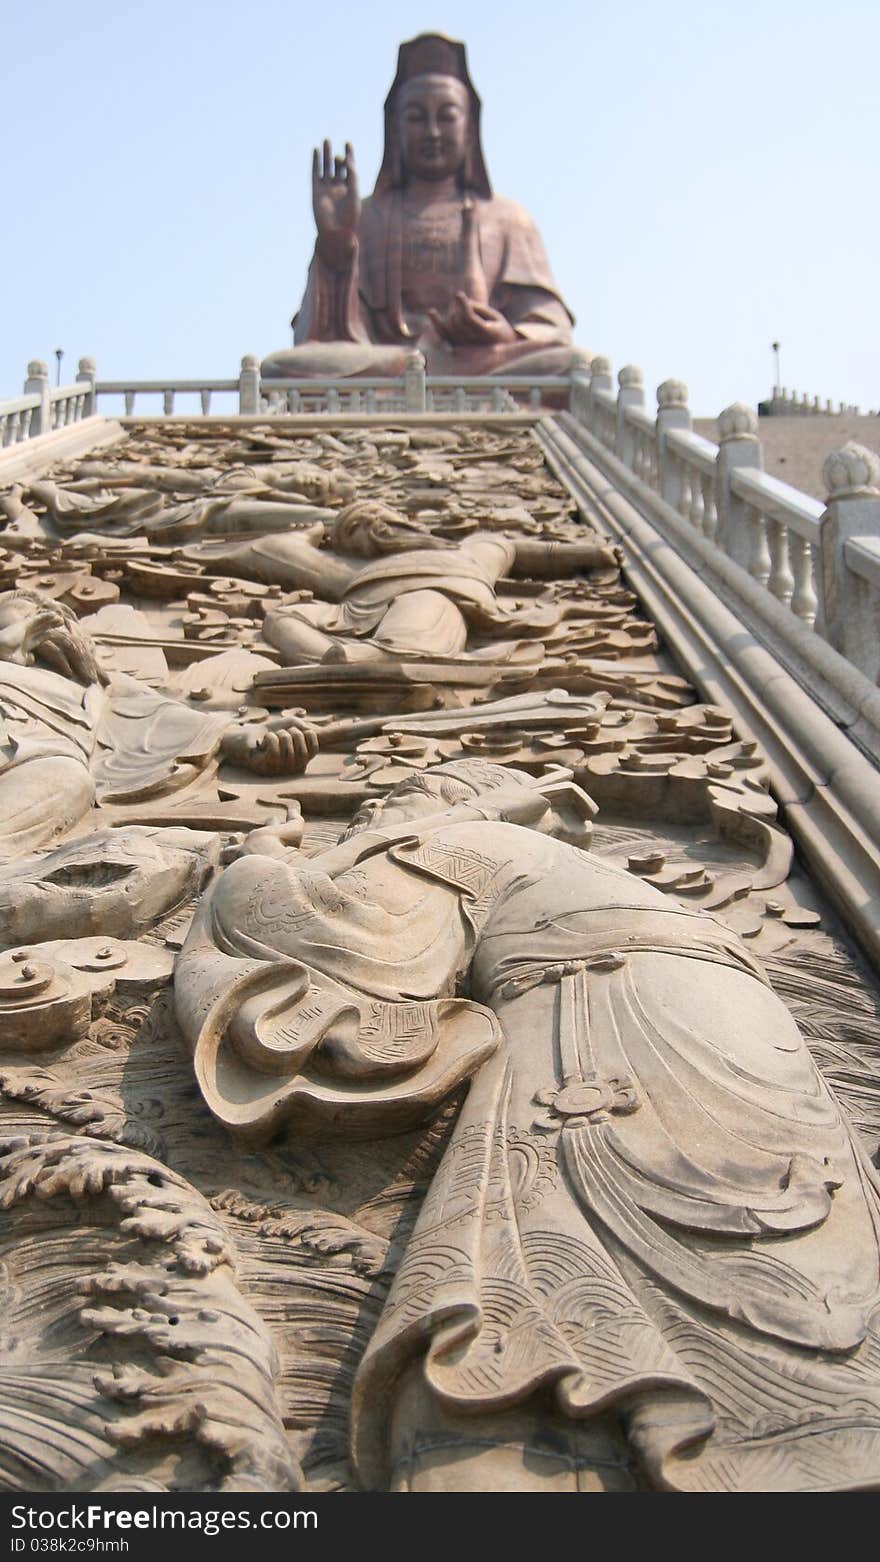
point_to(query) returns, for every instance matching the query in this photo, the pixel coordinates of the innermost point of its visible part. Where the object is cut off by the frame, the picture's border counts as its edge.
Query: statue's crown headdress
(433, 54)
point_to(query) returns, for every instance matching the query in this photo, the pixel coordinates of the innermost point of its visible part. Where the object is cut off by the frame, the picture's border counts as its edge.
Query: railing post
(249, 386)
(600, 379)
(738, 446)
(672, 412)
(630, 393)
(848, 604)
(578, 394)
(37, 384)
(414, 389)
(86, 374)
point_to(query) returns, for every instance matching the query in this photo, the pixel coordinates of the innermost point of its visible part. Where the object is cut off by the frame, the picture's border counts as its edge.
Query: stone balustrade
(414, 391)
(819, 561)
(16, 418)
(43, 407)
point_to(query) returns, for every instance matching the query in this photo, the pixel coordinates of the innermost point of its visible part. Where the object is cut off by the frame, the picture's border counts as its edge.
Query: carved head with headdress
(428, 65)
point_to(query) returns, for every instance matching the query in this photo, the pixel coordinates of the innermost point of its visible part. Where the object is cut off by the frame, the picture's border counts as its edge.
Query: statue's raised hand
(336, 204)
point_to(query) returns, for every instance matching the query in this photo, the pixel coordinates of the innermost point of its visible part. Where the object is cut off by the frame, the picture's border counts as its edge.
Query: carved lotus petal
(672, 393)
(851, 469)
(737, 421)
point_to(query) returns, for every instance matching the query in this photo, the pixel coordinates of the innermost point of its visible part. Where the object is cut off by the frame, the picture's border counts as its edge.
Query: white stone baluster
(759, 560)
(695, 515)
(710, 508)
(205, 400)
(804, 599)
(370, 399)
(579, 395)
(781, 580)
(129, 403)
(685, 481)
(168, 403)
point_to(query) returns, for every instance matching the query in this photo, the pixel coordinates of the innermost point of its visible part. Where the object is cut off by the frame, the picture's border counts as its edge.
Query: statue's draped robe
(650, 1203)
(381, 298)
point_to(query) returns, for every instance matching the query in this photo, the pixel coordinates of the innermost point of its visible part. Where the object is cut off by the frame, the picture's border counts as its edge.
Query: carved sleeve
(330, 310)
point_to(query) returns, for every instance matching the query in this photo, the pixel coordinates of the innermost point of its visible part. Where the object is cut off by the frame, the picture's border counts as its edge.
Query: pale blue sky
(704, 176)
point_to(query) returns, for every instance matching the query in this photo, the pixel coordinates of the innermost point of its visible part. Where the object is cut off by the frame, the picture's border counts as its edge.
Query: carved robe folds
(650, 1203)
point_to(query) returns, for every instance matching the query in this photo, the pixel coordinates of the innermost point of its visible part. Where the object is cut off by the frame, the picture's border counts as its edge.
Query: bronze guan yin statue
(432, 259)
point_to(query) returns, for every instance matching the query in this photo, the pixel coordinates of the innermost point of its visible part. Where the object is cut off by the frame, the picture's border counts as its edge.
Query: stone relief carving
(401, 970)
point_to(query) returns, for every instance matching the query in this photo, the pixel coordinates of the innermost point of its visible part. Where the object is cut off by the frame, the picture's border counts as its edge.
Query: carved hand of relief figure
(280, 747)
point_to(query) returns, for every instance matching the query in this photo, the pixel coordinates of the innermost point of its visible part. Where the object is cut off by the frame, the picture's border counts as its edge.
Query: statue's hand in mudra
(280, 747)
(467, 323)
(336, 204)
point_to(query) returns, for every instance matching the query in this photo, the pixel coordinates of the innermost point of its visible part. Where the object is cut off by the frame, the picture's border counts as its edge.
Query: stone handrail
(805, 554)
(863, 558)
(167, 389)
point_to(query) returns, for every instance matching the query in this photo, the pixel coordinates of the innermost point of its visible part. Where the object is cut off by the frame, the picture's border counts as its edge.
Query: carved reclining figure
(68, 737)
(650, 1196)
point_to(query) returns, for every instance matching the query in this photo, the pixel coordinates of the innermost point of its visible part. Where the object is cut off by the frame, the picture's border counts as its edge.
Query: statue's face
(428, 792)
(367, 529)
(417, 798)
(432, 118)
